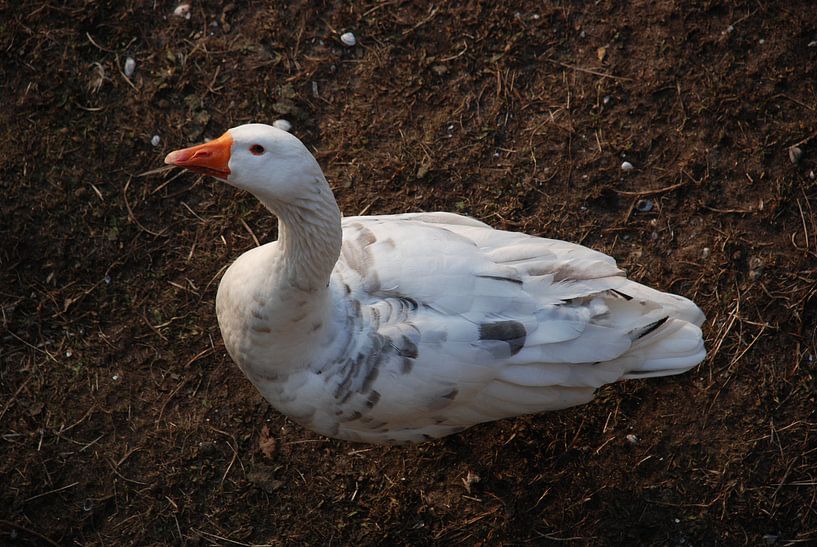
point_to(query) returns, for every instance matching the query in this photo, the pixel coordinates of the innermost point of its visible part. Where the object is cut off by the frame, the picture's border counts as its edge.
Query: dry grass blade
(133, 218)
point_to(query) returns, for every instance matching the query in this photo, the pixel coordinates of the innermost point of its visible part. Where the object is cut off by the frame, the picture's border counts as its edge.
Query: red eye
(257, 149)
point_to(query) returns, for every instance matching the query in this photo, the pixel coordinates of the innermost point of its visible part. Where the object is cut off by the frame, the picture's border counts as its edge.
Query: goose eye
(257, 149)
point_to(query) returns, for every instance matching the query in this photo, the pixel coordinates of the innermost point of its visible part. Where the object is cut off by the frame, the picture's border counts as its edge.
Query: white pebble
(182, 10)
(705, 253)
(632, 439)
(155, 140)
(130, 66)
(348, 39)
(644, 205)
(115, 377)
(68, 353)
(627, 166)
(795, 154)
(761, 41)
(283, 125)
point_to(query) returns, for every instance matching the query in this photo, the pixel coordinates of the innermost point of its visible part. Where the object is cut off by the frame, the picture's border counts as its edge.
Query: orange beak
(211, 158)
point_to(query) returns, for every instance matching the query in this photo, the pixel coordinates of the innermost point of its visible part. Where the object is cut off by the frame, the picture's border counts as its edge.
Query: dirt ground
(122, 419)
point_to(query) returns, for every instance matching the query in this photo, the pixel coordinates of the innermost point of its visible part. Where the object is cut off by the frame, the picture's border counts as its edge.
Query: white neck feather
(309, 237)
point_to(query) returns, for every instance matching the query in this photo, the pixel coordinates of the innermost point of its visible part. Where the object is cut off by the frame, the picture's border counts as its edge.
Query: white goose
(403, 328)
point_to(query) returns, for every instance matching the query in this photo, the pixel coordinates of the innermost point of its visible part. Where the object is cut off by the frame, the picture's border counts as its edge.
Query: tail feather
(673, 348)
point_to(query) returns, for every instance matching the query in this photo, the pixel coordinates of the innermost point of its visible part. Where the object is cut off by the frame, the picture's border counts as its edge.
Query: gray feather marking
(650, 328)
(501, 278)
(374, 398)
(358, 257)
(408, 349)
(622, 295)
(511, 332)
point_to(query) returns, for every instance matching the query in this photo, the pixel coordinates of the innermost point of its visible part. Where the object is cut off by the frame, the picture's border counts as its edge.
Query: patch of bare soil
(122, 419)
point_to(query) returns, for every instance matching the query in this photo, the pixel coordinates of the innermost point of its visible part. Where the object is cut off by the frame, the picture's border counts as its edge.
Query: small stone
(282, 124)
(632, 439)
(130, 66)
(69, 353)
(795, 154)
(470, 480)
(761, 41)
(644, 205)
(439, 70)
(348, 39)
(115, 377)
(182, 10)
(627, 166)
(705, 253)
(155, 140)
(813, 43)
(606, 100)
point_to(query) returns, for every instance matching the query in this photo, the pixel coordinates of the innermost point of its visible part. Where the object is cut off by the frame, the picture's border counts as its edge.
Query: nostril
(201, 154)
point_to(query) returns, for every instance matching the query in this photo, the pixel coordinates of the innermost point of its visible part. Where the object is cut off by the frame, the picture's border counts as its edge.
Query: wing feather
(470, 324)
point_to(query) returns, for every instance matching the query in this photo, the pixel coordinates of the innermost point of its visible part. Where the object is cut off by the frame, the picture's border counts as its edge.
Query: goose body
(403, 328)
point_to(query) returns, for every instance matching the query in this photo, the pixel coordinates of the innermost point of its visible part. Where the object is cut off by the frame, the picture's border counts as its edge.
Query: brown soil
(123, 419)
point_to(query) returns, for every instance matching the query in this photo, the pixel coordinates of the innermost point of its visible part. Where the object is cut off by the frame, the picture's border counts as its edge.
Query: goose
(404, 328)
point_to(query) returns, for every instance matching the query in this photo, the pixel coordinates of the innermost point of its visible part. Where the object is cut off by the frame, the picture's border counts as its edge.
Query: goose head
(268, 162)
